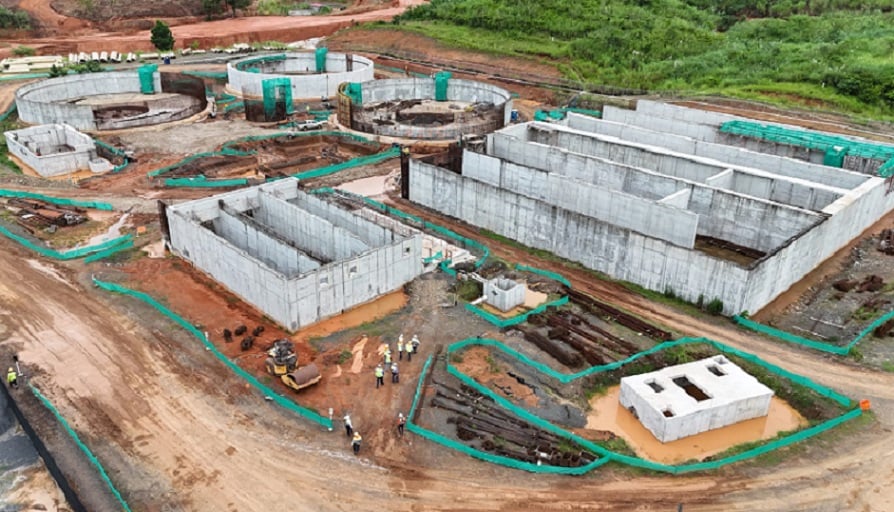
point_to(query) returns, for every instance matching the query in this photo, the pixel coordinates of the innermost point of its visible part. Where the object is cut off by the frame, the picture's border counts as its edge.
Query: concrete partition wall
(370, 233)
(641, 130)
(621, 253)
(275, 253)
(661, 221)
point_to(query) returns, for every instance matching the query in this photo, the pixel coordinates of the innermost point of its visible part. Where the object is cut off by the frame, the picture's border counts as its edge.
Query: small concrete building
(294, 256)
(686, 399)
(504, 294)
(55, 150)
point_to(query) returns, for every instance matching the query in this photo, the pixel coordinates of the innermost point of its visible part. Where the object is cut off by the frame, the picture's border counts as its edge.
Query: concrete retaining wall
(282, 281)
(27, 143)
(312, 85)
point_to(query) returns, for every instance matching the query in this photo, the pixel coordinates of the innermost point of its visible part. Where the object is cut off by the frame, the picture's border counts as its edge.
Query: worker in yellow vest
(400, 348)
(387, 355)
(380, 376)
(355, 443)
(12, 378)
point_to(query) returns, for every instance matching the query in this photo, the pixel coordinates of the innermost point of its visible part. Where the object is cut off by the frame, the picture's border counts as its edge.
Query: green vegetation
(23, 51)
(468, 290)
(162, 38)
(6, 125)
(279, 7)
(10, 18)
(830, 53)
(345, 356)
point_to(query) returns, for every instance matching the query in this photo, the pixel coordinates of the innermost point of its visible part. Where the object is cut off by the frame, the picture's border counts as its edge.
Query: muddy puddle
(369, 312)
(608, 414)
(368, 187)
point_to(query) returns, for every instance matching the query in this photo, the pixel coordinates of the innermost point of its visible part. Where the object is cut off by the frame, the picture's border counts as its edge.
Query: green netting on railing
(517, 319)
(419, 430)
(83, 447)
(251, 379)
(108, 252)
(836, 147)
(625, 459)
(244, 65)
(354, 162)
(561, 113)
(442, 79)
(146, 73)
(67, 255)
(56, 200)
(816, 345)
(320, 59)
(202, 182)
(275, 90)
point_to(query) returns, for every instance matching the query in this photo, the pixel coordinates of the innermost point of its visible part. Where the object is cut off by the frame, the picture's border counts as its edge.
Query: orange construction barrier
(864, 405)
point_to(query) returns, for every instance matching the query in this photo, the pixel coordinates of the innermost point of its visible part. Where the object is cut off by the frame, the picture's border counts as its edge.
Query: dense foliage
(834, 51)
(10, 18)
(161, 36)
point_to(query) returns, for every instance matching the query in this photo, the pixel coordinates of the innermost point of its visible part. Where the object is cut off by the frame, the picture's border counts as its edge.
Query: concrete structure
(294, 256)
(110, 101)
(668, 210)
(504, 294)
(55, 150)
(406, 108)
(31, 64)
(684, 400)
(300, 69)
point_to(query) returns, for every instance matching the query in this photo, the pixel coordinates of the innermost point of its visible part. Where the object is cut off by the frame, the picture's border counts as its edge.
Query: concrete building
(660, 198)
(684, 400)
(55, 150)
(504, 294)
(246, 76)
(417, 108)
(294, 256)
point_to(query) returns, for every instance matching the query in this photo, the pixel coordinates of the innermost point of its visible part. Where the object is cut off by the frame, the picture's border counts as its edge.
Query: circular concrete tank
(245, 76)
(412, 108)
(111, 101)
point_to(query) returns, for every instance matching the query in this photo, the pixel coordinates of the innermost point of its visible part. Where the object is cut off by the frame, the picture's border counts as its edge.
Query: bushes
(23, 51)
(14, 19)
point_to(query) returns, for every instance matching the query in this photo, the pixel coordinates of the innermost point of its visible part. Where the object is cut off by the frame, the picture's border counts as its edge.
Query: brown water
(364, 313)
(608, 414)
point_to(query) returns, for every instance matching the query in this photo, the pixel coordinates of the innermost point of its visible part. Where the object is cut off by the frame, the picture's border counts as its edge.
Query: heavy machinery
(283, 363)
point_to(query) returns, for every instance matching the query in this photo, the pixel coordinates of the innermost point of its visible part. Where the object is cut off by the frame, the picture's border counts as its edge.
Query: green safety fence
(607, 454)
(442, 79)
(251, 379)
(836, 147)
(109, 252)
(198, 156)
(202, 182)
(398, 70)
(561, 113)
(234, 106)
(12, 108)
(275, 90)
(71, 254)
(546, 273)
(117, 152)
(437, 256)
(354, 162)
(245, 64)
(816, 345)
(56, 200)
(354, 91)
(219, 75)
(74, 435)
(320, 59)
(23, 76)
(224, 98)
(517, 319)
(419, 430)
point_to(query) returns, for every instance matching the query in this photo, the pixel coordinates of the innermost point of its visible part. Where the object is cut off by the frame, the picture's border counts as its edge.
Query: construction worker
(395, 376)
(12, 378)
(355, 443)
(380, 376)
(415, 343)
(349, 427)
(401, 421)
(400, 349)
(387, 355)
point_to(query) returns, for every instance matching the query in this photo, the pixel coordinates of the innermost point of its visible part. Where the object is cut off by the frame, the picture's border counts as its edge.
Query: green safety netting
(320, 58)
(274, 91)
(398, 70)
(442, 79)
(83, 447)
(604, 453)
(247, 64)
(560, 113)
(836, 147)
(219, 75)
(354, 90)
(146, 73)
(202, 182)
(56, 200)
(23, 76)
(115, 151)
(251, 379)
(8, 112)
(71, 254)
(434, 257)
(816, 345)
(517, 319)
(354, 162)
(236, 105)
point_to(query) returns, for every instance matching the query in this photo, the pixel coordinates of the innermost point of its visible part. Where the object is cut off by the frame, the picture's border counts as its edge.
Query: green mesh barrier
(320, 58)
(236, 105)
(354, 162)
(437, 256)
(5, 115)
(442, 78)
(517, 319)
(67, 255)
(83, 447)
(56, 200)
(219, 75)
(561, 113)
(546, 273)
(251, 379)
(224, 98)
(23, 76)
(606, 454)
(816, 345)
(115, 151)
(202, 182)
(108, 252)
(146, 73)
(246, 64)
(405, 72)
(274, 91)
(354, 90)
(836, 147)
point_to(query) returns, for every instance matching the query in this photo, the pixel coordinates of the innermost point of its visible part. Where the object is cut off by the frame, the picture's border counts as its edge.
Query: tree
(211, 7)
(57, 71)
(162, 38)
(238, 4)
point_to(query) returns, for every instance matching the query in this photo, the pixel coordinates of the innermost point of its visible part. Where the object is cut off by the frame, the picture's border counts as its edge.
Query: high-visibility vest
(357, 438)
(11, 376)
(400, 346)
(380, 372)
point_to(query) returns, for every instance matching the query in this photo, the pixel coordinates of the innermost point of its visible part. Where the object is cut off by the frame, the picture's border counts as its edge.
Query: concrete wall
(661, 221)
(621, 253)
(26, 143)
(262, 267)
(504, 294)
(314, 85)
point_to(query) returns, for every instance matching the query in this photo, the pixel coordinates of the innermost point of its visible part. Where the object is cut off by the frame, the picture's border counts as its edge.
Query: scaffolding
(277, 91)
